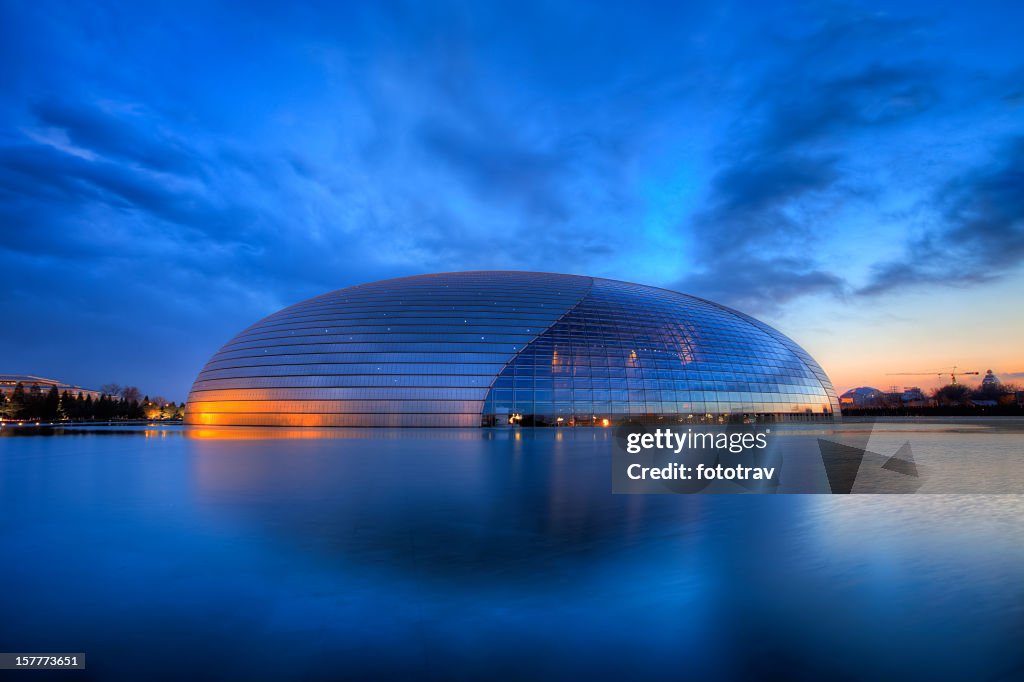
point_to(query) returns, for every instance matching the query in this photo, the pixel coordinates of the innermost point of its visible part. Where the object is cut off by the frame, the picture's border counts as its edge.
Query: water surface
(470, 554)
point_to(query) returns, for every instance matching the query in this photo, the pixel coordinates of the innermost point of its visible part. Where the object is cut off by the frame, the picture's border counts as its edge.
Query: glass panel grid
(461, 349)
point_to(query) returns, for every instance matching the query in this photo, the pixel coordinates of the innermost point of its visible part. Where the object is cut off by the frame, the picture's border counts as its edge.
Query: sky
(851, 173)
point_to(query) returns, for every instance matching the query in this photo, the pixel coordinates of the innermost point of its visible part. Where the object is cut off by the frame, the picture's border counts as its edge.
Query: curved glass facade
(493, 348)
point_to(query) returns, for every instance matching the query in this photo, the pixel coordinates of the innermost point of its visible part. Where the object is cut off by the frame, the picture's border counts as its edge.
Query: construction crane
(938, 372)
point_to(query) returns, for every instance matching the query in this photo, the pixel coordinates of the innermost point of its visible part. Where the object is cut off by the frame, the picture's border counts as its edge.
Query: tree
(130, 393)
(952, 394)
(155, 408)
(993, 391)
(104, 408)
(70, 404)
(110, 389)
(50, 405)
(16, 402)
(6, 407)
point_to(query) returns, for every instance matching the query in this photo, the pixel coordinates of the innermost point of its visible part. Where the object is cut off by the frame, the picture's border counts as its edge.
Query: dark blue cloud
(784, 165)
(170, 173)
(494, 166)
(977, 236)
(137, 141)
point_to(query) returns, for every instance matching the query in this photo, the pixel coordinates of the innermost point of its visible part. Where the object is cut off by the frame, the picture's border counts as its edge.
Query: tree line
(53, 405)
(950, 400)
(957, 394)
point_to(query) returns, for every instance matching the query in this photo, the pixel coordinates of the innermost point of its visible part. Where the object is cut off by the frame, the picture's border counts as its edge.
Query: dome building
(862, 397)
(499, 348)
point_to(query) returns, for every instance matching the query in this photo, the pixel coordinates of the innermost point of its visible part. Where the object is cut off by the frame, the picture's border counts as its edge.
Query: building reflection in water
(453, 503)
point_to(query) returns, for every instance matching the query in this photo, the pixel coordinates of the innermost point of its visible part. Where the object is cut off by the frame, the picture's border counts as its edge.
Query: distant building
(990, 380)
(39, 385)
(863, 398)
(912, 396)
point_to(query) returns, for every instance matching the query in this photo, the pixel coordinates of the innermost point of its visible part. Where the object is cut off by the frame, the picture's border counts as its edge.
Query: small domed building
(990, 380)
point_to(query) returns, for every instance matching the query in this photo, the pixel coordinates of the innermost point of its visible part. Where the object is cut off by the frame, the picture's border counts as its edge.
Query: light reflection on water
(471, 553)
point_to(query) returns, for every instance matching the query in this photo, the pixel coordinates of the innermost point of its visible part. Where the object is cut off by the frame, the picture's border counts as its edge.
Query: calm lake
(175, 554)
